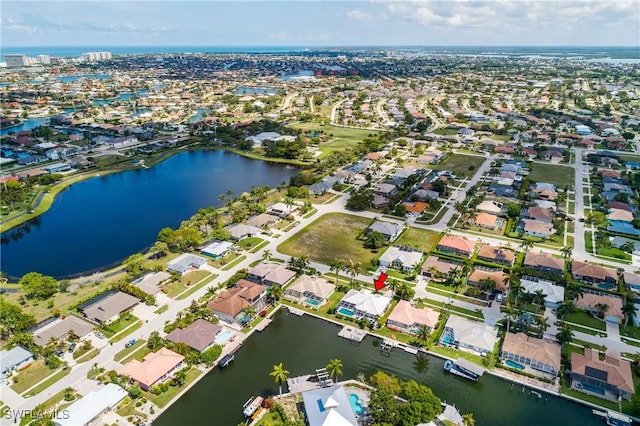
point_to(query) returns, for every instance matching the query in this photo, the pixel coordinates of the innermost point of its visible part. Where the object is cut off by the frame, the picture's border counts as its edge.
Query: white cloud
(358, 15)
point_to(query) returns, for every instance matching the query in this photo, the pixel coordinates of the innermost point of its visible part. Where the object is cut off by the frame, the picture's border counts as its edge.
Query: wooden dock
(295, 311)
(352, 333)
(263, 324)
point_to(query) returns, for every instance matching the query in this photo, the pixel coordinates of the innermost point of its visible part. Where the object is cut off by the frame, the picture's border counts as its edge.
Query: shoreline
(506, 378)
(45, 198)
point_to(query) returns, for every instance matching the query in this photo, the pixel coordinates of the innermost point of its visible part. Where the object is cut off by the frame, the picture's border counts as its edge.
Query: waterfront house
(610, 378)
(262, 220)
(155, 368)
(497, 276)
(229, 305)
(186, 262)
(469, 335)
(240, 231)
(400, 258)
(491, 207)
(328, 407)
(593, 302)
(435, 267)
(14, 359)
(593, 274)
(107, 306)
(58, 328)
(553, 294)
(199, 335)
(363, 304)
(282, 209)
(406, 318)
(310, 290)
(540, 357)
(496, 255)
(270, 274)
(390, 231)
(150, 283)
(456, 245)
(544, 262)
(87, 409)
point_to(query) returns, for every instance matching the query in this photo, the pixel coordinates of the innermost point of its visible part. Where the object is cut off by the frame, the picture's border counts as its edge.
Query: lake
(99, 222)
(304, 344)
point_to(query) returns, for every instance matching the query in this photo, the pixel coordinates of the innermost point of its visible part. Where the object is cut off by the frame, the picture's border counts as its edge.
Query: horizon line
(322, 45)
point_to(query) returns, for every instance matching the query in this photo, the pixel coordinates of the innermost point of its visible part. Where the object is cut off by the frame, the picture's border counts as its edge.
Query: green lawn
(613, 252)
(587, 320)
(421, 239)
(338, 138)
(193, 288)
(31, 375)
(329, 237)
(81, 355)
(250, 242)
(176, 287)
(459, 164)
(161, 309)
(162, 399)
(50, 380)
(117, 326)
(552, 173)
(445, 131)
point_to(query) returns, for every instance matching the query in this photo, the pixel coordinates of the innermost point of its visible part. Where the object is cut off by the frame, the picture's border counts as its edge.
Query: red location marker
(379, 283)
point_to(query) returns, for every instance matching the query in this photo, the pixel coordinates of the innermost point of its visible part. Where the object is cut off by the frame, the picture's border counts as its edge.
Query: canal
(304, 344)
(96, 223)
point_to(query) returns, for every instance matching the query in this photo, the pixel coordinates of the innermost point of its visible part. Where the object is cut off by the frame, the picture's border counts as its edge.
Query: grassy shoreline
(50, 194)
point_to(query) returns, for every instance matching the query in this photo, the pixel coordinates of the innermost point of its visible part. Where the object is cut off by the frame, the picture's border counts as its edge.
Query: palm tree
(334, 368)
(423, 333)
(566, 252)
(266, 255)
(280, 375)
(487, 285)
(337, 265)
(405, 291)
(526, 245)
(510, 314)
(354, 269)
(566, 308)
(629, 310)
(543, 325)
(575, 291)
(274, 292)
(564, 335)
(249, 312)
(538, 299)
(468, 420)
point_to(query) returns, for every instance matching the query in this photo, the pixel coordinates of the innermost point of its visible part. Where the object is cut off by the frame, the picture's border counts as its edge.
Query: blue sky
(314, 23)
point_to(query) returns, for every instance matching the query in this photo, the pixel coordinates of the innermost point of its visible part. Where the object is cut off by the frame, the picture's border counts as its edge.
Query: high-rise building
(16, 61)
(44, 59)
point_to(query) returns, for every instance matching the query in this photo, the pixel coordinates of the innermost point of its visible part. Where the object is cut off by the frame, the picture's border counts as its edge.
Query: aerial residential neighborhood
(382, 226)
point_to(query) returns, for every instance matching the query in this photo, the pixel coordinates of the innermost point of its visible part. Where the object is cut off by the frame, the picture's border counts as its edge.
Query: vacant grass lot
(420, 239)
(31, 375)
(339, 138)
(176, 287)
(329, 237)
(552, 173)
(459, 164)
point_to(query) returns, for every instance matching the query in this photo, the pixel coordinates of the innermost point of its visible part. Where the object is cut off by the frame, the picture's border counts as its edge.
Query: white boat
(251, 406)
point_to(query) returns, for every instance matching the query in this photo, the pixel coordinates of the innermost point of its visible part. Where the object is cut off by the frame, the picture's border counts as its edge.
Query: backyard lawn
(459, 164)
(329, 237)
(421, 239)
(587, 320)
(338, 138)
(31, 375)
(552, 173)
(176, 287)
(162, 399)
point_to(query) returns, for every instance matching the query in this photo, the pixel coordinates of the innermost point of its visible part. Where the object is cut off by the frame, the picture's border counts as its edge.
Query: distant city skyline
(311, 23)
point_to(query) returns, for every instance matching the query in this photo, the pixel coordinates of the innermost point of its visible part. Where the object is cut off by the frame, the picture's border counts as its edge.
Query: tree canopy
(38, 286)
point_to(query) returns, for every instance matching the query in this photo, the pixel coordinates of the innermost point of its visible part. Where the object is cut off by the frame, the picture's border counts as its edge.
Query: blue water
(593, 389)
(245, 90)
(222, 337)
(356, 407)
(100, 221)
(29, 124)
(313, 302)
(447, 339)
(346, 312)
(513, 364)
(303, 73)
(72, 78)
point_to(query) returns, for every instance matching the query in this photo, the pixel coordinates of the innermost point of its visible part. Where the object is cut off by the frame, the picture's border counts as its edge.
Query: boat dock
(295, 311)
(352, 333)
(464, 368)
(263, 324)
(387, 346)
(407, 348)
(613, 418)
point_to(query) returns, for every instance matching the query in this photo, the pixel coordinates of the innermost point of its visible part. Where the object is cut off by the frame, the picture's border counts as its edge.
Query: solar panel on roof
(596, 373)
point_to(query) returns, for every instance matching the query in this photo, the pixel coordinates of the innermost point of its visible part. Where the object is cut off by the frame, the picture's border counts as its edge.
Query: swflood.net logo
(49, 414)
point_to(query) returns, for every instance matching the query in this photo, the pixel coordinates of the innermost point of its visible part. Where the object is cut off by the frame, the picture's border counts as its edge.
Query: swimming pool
(514, 364)
(447, 339)
(313, 302)
(222, 337)
(355, 404)
(592, 389)
(346, 312)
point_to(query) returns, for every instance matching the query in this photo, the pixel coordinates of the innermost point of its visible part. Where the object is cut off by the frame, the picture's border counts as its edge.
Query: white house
(328, 407)
(88, 408)
(363, 304)
(554, 294)
(14, 359)
(400, 258)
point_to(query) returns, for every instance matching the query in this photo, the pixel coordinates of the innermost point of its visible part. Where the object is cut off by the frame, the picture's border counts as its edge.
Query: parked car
(100, 335)
(72, 347)
(499, 298)
(59, 352)
(130, 343)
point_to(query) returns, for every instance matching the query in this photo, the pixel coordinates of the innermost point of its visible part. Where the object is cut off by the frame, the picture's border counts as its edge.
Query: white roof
(83, 411)
(408, 258)
(473, 333)
(554, 293)
(328, 407)
(374, 304)
(13, 357)
(489, 206)
(217, 248)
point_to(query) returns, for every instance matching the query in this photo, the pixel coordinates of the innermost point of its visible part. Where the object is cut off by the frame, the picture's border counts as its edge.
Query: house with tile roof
(456, 245)
(591, 302)
(544, 262)
(406, 318)
(540, 357)
(494, 254)
(155, 368)
(199, 335)
(589, 273)
(498, 277)
(609, 379)
(230, 304)
(463, 333)
(310, 290)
